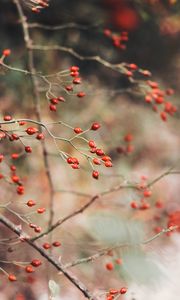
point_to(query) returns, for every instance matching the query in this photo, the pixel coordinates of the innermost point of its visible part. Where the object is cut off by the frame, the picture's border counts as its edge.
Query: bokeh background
(151, 271)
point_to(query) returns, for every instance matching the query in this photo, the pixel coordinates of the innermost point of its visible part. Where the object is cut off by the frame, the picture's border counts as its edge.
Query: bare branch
(49, 258)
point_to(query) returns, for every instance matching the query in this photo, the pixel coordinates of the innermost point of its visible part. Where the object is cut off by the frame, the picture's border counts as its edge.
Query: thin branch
(73, 214)
(94, 198)
(105, 251)
(49, 258)
(63, 26)
(28, 43)
(116, 67)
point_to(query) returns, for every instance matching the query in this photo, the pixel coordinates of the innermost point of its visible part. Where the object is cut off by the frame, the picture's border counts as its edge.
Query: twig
(63, 26)
(49, 258)
(28, 43)
(94, 198)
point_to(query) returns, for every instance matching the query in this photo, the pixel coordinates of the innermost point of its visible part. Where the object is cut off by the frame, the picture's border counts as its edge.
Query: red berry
(129, 148)
(40, 136)
(159, 204)
(38, 229)
(75, 166)
(74, 69)
(28, 149)
(69, 88)
(56, 244)
(147, 193)
(113, 292)
(74, 74)
(95, 126)
(20, 189)
(1, 157)
(163, 116)
(109, 297)
(92, 144)
(157, 229)
(133, 66)
(15, 156)
(144, 206)
(123, 290)
(77, 80)
(109, 266)
(95, 174)
(36, 263)
(7, 118)
(31, 225)
(6, 52)
(78, 130)
(108, 164)
(52, 107)
(15, 178)
(99, 152)
(128, 137)
(106, 158)
(29, 269)
(61, 99)
(119, 261)
(12, 277)
(96, 161)
(134, 204)
(107, 32)
(31, 203)
(81, 94)
(2, 135)
(14, 137)
(21, 123)
(54, 100)
(70, 160)
(13, 168)
(46, 246)
(41, 210)
(31, 130)
(148, 99)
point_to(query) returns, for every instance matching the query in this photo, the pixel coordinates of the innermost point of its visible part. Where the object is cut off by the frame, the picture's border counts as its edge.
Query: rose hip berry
(95, 174)
(7, 118)
(56, 244)
(31, 203)
(12, 277)
(123, 290)
(6, 52)
(95, 126)
(36, 263)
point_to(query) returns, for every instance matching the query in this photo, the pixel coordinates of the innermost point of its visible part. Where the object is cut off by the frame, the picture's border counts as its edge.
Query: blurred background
(150, 271)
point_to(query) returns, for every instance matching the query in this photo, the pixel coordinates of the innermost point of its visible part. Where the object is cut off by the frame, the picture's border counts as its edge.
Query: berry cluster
(156, 97)
(73, 72)
(38, 5)
(128, 147)
(98, 157)
(114, 293)
(153, 94)
(119, 40)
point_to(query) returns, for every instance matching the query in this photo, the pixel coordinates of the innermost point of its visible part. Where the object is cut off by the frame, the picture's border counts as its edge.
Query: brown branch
(105, 251)
(28, 44)
(49, 258)
(94, 198)
(63, 26)
(116, 67)
(73, 214)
